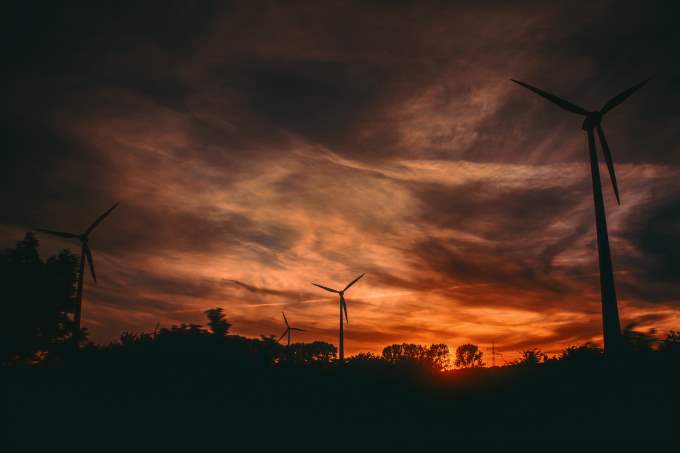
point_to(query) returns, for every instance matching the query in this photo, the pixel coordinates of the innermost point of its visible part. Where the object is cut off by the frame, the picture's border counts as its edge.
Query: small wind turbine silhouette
(85, 255)
(494, 353)
(288, 330)
(593, 120)
(343, 307)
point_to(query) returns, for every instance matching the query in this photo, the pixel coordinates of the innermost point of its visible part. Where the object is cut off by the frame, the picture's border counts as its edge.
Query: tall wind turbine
(343, 307)
(288, 330)
(611, 326)
(85, 254)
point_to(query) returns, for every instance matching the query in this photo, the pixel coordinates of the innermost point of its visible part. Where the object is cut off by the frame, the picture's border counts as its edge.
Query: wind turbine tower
(343, 307)
(611, 325)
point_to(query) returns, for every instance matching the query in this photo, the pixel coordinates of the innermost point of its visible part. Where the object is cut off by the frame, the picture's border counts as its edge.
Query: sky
(256, 147)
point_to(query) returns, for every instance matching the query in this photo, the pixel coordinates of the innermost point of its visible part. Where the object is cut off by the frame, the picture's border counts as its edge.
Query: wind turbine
(343, 307)
(288, 330)
(494, 353)
(85, 254)
(611, 326)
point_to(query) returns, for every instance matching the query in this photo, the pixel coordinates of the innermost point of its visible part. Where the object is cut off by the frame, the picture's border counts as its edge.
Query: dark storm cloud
(74, 37)
(493, 213)
(44, 169)
(655, 233)
(317, 99)
(658, 238)
(196, 230)
(515, 246)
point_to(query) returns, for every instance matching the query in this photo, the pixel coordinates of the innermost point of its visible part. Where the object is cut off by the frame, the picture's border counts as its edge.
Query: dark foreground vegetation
(199, 386)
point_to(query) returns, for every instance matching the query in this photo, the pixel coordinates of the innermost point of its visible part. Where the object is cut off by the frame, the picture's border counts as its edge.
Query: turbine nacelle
(84, 240)
(341, 293)
(288, 330)
(592, 120)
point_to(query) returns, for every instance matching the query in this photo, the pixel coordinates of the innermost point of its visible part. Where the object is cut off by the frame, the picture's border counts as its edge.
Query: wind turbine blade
(566, 105)
(282, 335)
(608, 159)
(353, 282)
(99, 220)
(285, 319)
(326, 288)
(88, 255)
(619, 98)
(344, 307)
(57, 233)
(298, 330)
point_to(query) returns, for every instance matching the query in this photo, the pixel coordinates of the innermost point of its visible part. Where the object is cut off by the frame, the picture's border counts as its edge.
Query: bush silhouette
(530, 358)
(585, 355)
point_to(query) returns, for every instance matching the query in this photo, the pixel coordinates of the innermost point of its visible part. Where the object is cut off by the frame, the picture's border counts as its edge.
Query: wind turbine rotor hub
(592, 121)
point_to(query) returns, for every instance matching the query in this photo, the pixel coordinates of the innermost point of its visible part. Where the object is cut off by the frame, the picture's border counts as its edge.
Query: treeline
(40, 302)
(213, 342)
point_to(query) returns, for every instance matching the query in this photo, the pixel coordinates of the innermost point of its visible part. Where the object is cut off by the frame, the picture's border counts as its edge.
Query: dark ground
(153, 402)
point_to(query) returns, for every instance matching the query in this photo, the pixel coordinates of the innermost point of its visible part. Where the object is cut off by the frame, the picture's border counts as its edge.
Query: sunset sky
(257, 147)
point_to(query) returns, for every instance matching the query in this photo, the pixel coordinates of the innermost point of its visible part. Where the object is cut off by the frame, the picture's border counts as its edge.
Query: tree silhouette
(217, 321)
(39, 297)
(271, 349)
(438, 356)
(670, 347)
(469, 356)
(530, 358)
(586, 354)
(131, 338)
(315, 352)
(363, 357)
(636, 343)
(435, 356)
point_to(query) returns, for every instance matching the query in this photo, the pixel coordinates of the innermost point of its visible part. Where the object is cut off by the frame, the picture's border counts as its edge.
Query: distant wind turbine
(288, 330)
(494, 353)
(611, 326)
(85, 254)
(343, 307)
